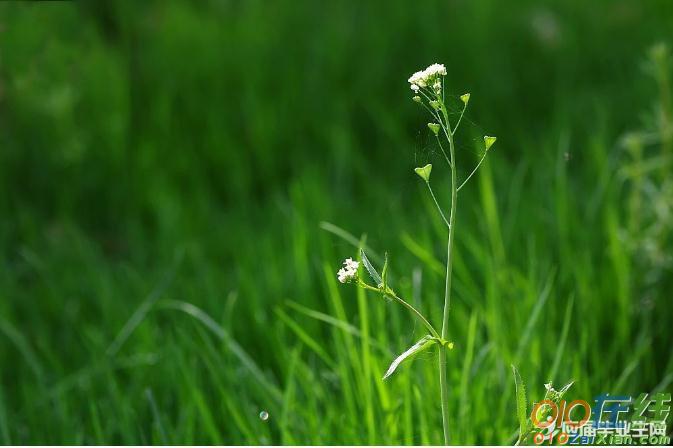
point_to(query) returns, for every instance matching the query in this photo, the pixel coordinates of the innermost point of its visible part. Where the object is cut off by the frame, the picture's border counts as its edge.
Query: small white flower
(418, 79)
(426, 77)
(435, 70)
(352, 264)
(349, 272)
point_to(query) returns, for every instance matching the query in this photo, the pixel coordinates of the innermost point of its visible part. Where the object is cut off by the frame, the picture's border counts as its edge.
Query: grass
(164, 274)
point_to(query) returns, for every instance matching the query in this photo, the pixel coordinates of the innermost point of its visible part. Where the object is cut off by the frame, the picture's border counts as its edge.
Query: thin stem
(449, 267)
(439, 142)
(444, 389)
(459, 120)
(436, 116)
(390, 293)
(433, 113)
(474, 170)
(422, 92)
(437, 203)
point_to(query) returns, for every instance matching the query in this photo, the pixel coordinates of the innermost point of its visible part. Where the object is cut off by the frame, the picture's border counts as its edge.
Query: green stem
(437, 203)
(473, 171)
(390, 293)
(449, 267)
(442, 148)
(459, 119)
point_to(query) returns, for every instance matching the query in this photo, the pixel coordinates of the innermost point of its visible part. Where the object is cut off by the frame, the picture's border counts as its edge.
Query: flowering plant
(428, 88)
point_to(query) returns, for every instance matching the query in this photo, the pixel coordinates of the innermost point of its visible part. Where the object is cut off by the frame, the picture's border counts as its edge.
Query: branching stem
(437, 203)
(390, 293)
(474, 170)
(444, 388)
(459, 120)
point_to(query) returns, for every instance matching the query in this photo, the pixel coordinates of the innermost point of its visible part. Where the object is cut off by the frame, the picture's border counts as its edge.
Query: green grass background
(165, 168)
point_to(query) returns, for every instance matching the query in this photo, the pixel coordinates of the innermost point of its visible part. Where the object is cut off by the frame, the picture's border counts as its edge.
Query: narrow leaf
(384, 272)
(424, 343)
(521, 411)
(565, 388)
(372, 272)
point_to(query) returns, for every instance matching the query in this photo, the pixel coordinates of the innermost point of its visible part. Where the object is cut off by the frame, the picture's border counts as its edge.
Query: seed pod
(424, 172)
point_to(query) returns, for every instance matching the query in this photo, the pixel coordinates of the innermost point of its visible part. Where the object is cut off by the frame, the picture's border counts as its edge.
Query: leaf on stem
(424, 343)
(384, 273)
(372, 272)
(565, 388)
(521, 412)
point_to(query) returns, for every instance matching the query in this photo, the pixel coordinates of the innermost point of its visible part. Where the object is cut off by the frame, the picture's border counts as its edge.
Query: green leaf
(424, 172)
(424, 343)
(521, 412)
(384, 272)
(565, 388)
(372, 272)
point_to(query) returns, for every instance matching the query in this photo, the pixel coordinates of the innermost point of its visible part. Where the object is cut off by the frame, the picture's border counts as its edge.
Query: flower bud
(435, 104)
(416, 98)
(434, 127)
(465, 98)
(424, 172)
(488, 141)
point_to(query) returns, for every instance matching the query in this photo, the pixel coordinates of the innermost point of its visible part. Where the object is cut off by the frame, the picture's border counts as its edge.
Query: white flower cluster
(428, 77)
(349, 272)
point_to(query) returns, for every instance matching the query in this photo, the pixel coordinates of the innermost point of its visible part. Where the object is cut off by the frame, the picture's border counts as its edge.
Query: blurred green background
(167, 170)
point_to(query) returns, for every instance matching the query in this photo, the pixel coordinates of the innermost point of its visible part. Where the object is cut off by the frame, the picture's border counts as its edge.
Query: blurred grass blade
(337, 323)
(534, 315)
(317, 315)
(521, 412)
(23, 346)
(424, 343)
(156, 415)
(350, 238)
(305, 337)
(145, 307)
(235, 348)
(422, 253)
(562, 340)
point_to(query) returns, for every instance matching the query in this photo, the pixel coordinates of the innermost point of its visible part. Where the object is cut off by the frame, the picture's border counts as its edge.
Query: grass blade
(521, 412)
(305, 337)
(349, 238)
(238, 351)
